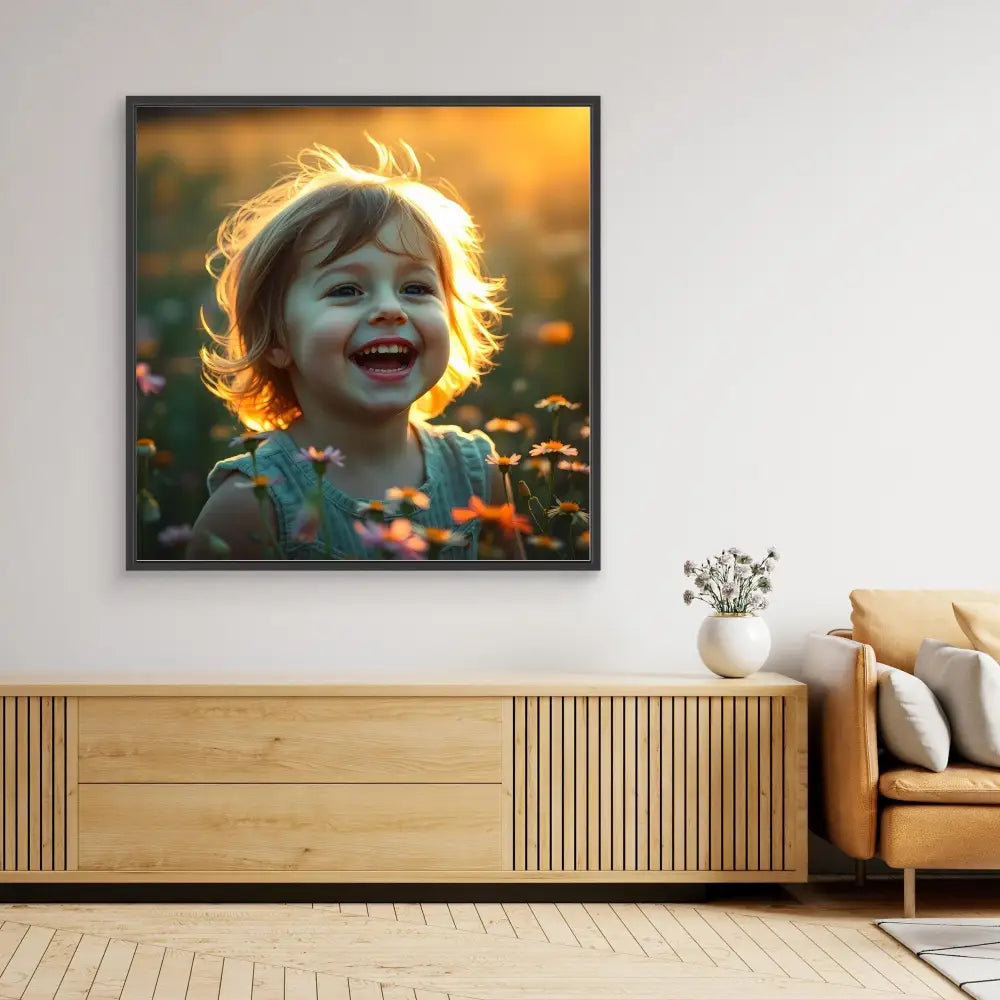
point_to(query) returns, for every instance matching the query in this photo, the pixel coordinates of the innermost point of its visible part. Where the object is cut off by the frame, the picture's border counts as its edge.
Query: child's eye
(422, 288)
(343, 291)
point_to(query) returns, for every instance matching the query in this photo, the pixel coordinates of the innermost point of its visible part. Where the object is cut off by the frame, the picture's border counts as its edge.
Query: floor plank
(113, 971)
(466, 918)
(645, 934)
(83, 968)
(24, 961)
(175, 974)
(268, 981)
(11, 934)
(237, 979)
(206, 977)
(140, 984)
(53, 966)
(526, 927)
(672, 931)
(615, 932)
(553, 926)
(864, 973)
(300, 984)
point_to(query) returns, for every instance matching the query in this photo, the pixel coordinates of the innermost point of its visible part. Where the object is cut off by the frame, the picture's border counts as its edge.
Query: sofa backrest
(896, 622)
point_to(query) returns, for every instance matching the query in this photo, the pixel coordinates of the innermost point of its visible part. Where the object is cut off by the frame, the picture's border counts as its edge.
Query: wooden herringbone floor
(820, 945)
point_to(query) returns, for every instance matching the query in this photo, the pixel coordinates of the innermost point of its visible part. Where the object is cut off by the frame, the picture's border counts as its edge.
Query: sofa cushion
(980, 621)
(911, 722)
(967, 683)
(958, 783)
(895, 622)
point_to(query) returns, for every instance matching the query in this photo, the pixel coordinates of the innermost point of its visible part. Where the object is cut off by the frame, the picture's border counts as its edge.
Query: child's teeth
(384, 349)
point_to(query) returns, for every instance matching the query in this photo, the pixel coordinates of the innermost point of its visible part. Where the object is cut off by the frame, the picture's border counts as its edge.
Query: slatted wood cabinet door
(559, 779)
(688, 785)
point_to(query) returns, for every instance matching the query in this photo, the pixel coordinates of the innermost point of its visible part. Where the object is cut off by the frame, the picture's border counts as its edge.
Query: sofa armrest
(843, 751)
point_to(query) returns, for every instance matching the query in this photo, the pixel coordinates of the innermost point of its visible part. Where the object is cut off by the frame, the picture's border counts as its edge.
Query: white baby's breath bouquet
(731, 582)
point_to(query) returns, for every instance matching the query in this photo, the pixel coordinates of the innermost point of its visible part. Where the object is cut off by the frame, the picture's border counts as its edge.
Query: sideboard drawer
(199, 828)
(250, 739)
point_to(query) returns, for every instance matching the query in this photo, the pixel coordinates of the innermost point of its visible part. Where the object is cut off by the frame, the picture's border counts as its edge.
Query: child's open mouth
(386, 361)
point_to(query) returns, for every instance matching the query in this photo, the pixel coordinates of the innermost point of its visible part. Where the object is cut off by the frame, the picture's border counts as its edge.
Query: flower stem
(518, 543)
(260, 492)
(324, 526)
(531, 511)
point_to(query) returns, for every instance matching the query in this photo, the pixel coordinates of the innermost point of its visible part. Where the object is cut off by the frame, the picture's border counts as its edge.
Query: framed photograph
(363, 333)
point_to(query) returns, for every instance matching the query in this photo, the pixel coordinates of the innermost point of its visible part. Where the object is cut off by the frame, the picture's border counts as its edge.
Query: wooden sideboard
(549, 779)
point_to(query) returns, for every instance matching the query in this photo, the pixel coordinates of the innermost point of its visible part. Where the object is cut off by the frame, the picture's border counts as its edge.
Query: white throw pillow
(967, 683)
(911, 721)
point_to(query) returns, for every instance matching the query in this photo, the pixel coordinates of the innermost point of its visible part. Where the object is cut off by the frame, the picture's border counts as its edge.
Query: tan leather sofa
(862, 800)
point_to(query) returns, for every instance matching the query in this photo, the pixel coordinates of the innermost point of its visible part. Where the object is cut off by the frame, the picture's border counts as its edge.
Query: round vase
(732, 645)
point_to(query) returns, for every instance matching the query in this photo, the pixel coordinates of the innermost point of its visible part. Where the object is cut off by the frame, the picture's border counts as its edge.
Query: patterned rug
(967, 950)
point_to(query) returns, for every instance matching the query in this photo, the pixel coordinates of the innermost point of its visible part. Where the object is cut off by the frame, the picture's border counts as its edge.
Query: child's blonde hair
(262, 241)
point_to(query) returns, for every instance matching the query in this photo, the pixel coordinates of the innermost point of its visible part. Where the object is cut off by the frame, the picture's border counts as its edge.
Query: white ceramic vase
(733, 645)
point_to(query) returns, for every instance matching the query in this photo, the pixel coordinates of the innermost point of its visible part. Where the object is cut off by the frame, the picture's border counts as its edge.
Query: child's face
(368, 333)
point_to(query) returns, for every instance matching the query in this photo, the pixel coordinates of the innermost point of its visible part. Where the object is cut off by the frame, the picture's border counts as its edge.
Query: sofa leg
(860, 871)
(909, 892)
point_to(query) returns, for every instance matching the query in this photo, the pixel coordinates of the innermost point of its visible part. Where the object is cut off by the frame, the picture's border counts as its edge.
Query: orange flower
(569, 509)
(441, 536)
(553, 448)
(583, 540)
(556, 332)
(500, 424)
(503, 515)
(257, 482)
(556, 402)
(503, 462)
(376, 507)
(574, 467)
(410, 495)
(545, 542)
(145, 448)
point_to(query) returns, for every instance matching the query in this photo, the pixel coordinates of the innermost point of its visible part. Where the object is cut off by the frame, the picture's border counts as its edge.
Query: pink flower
(553, 448)
(574, 467)
(397, 539)
(175, 534)
(252, 439)
(328, 456)
(149, 384)
(411, 495)
(503, 462)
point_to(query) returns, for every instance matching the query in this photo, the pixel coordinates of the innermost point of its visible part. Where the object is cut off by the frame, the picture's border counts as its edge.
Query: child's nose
(390, 315)
(388, 311)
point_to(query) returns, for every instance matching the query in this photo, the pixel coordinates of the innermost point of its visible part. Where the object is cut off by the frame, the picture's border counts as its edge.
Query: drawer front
(411, 740)
(300, 827)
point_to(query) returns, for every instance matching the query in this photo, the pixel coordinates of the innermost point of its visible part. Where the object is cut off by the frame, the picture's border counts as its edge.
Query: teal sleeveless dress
(455, 469)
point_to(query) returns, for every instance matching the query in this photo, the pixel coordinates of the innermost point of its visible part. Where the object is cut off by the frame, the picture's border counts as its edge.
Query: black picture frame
(146, 108)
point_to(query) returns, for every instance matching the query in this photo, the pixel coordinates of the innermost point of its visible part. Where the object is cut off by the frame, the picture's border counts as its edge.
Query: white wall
(800, 250)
